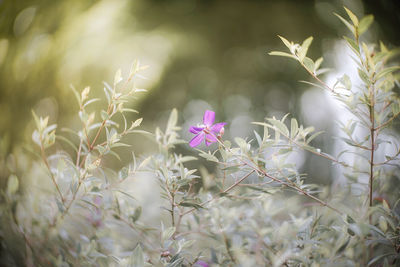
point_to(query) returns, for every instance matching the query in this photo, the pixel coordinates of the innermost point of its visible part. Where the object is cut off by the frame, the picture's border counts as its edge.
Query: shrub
(257, 209)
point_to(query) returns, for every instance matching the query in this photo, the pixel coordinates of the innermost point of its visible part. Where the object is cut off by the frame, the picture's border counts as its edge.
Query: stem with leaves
(291, 185)
(46, 162)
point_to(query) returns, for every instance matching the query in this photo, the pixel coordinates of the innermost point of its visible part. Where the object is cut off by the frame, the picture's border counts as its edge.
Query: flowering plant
(255, 208)
(207, 131)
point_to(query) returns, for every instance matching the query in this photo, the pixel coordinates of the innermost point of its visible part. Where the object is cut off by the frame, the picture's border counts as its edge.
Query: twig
(223, 192)
(44, 157)
(295, 187)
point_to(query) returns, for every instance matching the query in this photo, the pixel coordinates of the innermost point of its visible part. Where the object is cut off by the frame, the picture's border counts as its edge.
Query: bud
(85, 93)
(221, 133)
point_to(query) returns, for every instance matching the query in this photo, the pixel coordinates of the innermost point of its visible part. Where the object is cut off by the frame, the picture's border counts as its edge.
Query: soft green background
(202, 54)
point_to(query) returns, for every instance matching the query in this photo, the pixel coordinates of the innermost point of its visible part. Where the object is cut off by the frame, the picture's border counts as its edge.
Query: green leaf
(172, 120)
(313, 136)
(136, 123)
(186, 159)
(104, 115)
(62, 138)
(380, 257)
(190, 204)
(304, 48)
(117, 77)
(353, 45)
(144, 163)
(345, 80)
(279, 126)
(85, 93)
(137, 258)
(123, 173)
(363, 76)
(37, 120)
(317, 63)
(286, 42)
(386, 205)
(93, 100)
(383, 224)
(136, 214)
(342, 247)
(309, 63)
(365, 23)
(353, 17)
(386, 71)
(348, 25)
(167, 233)
(259, 140)
(12, 184)
(313, 84)
(282, 54)
(77, 95)
(124, 193)
(349, 219)
(294, 127)
(209, 157)
(134, 68)
(175, 262)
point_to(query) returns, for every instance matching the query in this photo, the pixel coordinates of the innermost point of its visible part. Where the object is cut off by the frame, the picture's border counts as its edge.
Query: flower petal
(210, 138)
(216, 128)
(209, 117)
(201, 264)
(197, 140)
(195, 130)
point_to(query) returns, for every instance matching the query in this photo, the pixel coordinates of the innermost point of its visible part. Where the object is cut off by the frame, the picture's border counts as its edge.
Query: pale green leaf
(365, 23)
(279, 126)
(286, 42)
(353, 17)
(348, 25)
(282, 54)
(137, 258)
(386, 71)
(167, 233)
(294, 128)
(304, 48)
(117, 77)
(12, 184)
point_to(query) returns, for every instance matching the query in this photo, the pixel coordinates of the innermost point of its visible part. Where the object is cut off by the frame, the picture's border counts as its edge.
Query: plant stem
(372, 133)
(223, 192)
(44, 157)
(295, 187)
(326, 156)
(316, 77)
(172, 210)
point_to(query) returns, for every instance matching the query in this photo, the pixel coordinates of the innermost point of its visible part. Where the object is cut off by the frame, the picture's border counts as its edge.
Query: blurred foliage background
(202, 54)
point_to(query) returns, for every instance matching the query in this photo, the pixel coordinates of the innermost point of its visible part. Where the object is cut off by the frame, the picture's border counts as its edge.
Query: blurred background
(202, 54)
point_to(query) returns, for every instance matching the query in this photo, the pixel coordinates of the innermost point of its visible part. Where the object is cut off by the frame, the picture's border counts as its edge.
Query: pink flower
(201, 264)
(207, 131)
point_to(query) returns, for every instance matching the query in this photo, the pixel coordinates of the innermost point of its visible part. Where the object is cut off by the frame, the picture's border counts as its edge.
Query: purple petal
(209, 117)
(216, 128)
(195, 130)
(201, 263)
(197, 140)
(210, 138)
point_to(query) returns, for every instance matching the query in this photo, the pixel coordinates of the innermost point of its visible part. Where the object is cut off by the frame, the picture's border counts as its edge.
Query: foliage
(256, 209)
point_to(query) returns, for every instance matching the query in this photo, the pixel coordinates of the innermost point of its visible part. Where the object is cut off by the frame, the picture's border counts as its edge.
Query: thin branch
(78, 154)
(344, 164)
(295, 187)
(44, 158)
(316, 78)
(223, 192)
(386, 122)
